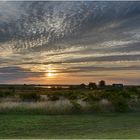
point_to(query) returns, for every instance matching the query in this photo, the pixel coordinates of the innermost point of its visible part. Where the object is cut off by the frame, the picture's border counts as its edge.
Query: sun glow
(50, 73)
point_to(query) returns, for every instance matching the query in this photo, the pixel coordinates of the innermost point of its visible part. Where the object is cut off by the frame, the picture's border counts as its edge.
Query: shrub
(126, 94)
(109, 93)
(53, 97)
(76, 107)
(6, 94)
(95, 107)
(2, 95)
(119, 103)
(29, 97)
(71, 95)
(92, 97)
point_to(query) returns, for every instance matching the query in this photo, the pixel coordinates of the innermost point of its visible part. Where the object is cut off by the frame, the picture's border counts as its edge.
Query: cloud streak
(73, 38)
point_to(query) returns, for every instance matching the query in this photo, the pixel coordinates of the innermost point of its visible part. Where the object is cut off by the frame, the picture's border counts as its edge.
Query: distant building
(102, 83)
(92, 85)
(117, 85)
(82, 85)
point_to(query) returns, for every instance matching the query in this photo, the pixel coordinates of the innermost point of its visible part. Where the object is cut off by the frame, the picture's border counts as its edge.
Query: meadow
(36, 112)
(32, 99)
(101, 125)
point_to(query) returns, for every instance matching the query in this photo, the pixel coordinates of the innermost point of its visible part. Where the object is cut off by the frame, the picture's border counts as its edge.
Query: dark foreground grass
(111, 125)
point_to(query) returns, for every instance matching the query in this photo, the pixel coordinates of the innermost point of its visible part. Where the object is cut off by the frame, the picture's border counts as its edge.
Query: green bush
(119, 102)
(76, 108)
(126, 94)
(71, 95)
(92, 97)
(6, 94)
(2, 95)
(29, 97)
(95, 107)
(53, 97)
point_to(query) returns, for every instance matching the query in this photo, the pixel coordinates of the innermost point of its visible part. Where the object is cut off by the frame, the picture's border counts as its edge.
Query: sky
(59, 42)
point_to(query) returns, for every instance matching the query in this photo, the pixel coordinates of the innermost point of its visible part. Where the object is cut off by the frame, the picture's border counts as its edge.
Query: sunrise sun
(50, 73)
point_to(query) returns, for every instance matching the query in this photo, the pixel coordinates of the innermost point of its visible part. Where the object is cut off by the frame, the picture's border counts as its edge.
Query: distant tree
(102, 83)
(92, 85)
(82, 85)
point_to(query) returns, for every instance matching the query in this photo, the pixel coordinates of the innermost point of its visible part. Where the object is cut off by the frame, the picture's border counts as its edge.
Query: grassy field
(103, 125)
(30, 112)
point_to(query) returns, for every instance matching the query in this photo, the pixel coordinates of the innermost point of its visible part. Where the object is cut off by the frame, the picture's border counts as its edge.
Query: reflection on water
(56, 87)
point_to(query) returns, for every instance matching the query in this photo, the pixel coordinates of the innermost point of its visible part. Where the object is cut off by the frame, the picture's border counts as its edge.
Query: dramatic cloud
(69, 42)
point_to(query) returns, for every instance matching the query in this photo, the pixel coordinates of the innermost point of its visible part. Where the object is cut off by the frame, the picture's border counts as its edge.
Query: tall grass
(64, 106)
(49, 107)
(70, 101)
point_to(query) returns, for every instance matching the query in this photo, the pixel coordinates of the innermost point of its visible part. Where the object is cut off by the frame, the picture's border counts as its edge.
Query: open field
(102, 125)
(32, 112)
